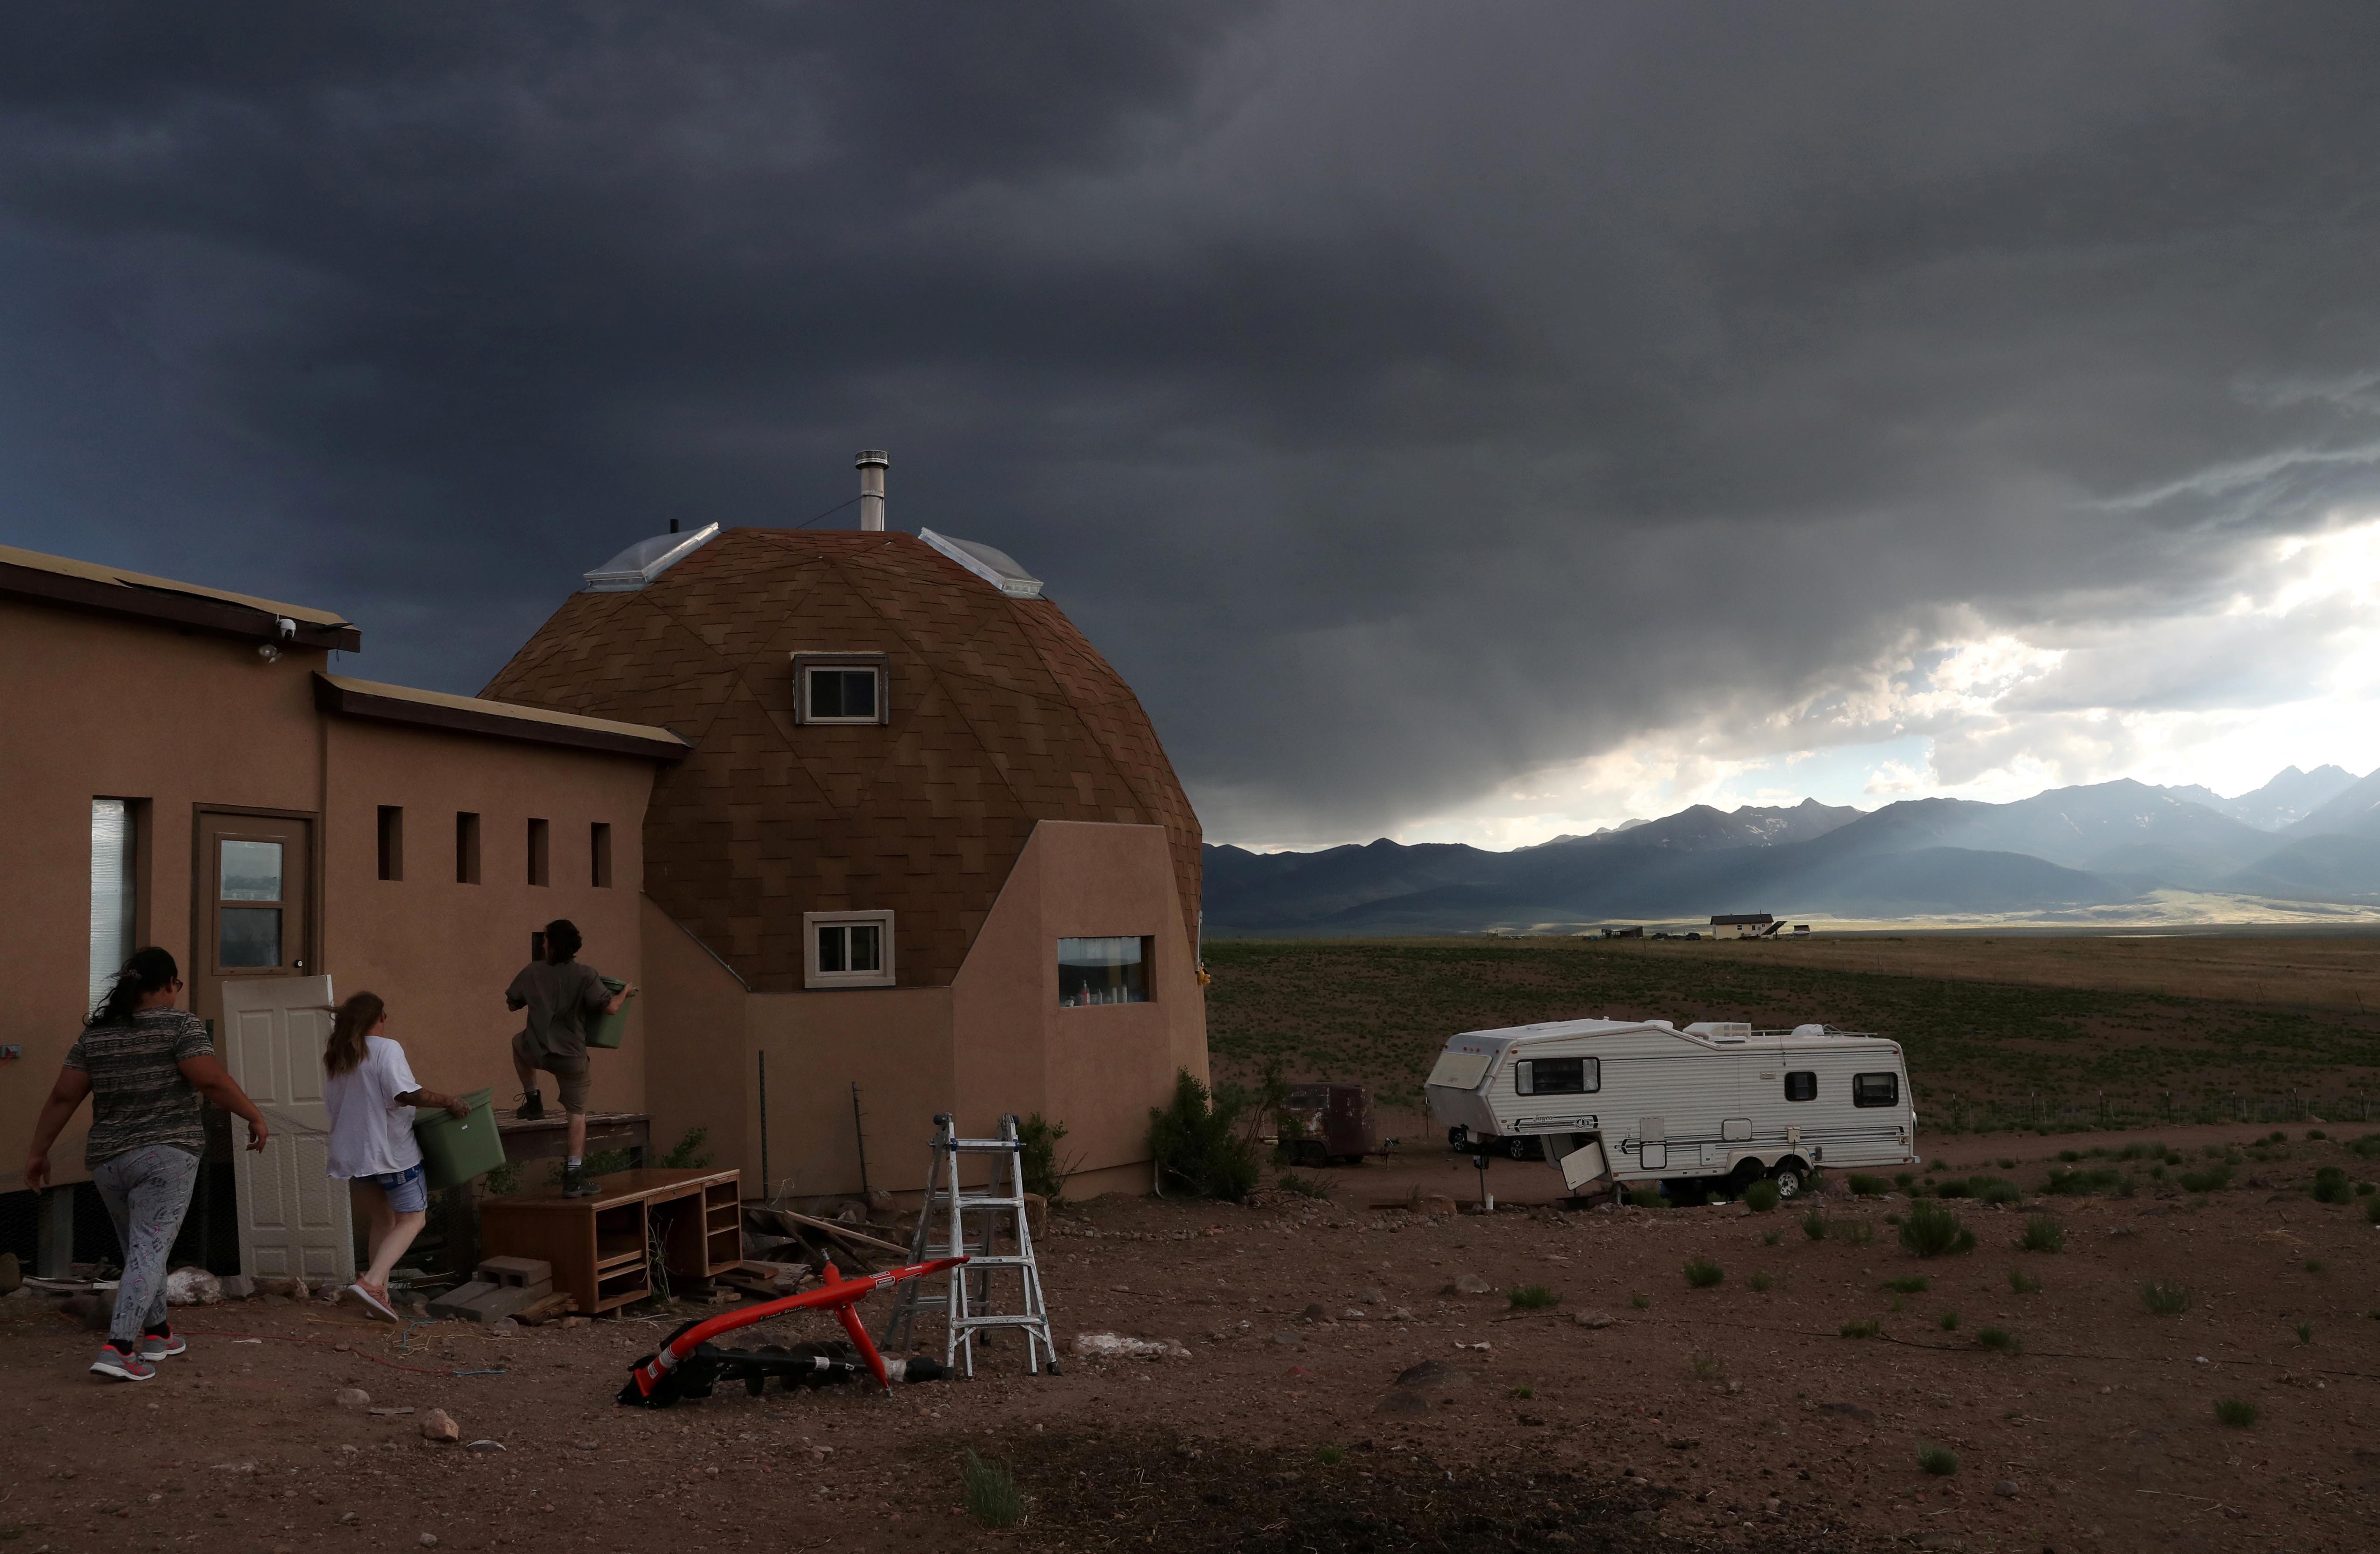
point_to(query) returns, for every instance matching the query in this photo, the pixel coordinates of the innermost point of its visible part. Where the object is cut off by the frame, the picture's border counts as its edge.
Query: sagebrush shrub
(1932, 1231)
(1198, 1145)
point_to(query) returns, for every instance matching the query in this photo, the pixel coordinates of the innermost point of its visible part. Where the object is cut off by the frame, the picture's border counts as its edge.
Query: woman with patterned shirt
(144, 1063)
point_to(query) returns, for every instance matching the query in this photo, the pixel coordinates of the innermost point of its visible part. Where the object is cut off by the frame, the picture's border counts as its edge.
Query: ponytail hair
(349, 1025)
(561, 940)
(149, 970)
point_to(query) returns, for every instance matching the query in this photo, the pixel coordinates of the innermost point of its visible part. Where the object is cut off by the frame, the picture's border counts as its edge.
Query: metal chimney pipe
(873, 463)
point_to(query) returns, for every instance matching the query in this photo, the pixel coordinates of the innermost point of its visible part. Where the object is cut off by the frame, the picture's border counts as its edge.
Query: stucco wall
(98, 706)
(994, 1041)
(102, 706)
(692, 1047)
(895, 1042)
(442, 953)
(1098, 1069)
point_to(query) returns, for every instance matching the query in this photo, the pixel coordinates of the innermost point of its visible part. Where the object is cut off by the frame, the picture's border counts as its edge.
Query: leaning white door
(293, 1218)
(1584, 1166)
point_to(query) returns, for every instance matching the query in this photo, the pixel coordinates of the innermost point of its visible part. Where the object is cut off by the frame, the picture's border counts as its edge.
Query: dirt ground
(1637, 1413)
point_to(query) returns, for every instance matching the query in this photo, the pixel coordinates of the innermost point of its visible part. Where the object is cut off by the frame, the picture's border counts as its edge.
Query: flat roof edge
(401, 704)
(159, 598)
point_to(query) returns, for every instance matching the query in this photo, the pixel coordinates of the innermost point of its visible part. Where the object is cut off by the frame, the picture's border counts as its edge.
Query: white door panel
(293, 1218)
(1584, 1165)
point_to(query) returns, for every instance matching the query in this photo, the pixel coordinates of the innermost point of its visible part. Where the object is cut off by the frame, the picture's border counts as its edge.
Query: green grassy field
(1981, 1053)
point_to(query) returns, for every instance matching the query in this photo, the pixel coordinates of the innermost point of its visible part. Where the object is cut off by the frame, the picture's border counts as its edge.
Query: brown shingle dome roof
(1000, 715)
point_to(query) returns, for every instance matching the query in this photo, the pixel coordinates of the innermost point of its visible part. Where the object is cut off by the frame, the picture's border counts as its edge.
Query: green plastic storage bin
(608, 1029)
(454, 1149)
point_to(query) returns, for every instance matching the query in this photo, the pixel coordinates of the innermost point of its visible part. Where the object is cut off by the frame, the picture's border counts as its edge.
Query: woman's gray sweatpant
(147, 1192)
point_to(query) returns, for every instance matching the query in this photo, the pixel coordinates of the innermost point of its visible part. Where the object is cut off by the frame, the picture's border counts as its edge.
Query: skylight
(996, 567)
(636, 567)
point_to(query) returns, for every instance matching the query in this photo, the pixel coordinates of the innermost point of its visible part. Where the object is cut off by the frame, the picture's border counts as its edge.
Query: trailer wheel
(1787, 1177)
(1518, 1147)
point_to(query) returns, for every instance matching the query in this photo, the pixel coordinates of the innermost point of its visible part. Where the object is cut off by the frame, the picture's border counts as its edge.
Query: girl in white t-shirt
(371, 1092)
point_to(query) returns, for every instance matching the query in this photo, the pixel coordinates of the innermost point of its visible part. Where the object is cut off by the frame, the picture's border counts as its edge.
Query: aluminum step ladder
(956, 1221)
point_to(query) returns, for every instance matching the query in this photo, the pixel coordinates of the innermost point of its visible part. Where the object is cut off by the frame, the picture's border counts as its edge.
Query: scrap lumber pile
(817, 1242)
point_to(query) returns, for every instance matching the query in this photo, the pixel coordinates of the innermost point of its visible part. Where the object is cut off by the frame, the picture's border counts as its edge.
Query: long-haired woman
(144, 1063)
(371, 1092)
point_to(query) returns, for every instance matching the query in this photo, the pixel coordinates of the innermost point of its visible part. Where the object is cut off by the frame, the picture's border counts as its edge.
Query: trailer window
(1875, 1090)
(1558, 1076)
(1801, 1085)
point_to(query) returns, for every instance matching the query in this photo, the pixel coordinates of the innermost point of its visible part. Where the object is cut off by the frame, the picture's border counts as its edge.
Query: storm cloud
(1407, 399)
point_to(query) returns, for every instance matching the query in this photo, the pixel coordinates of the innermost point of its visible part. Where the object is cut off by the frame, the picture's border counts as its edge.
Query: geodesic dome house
(926, 844)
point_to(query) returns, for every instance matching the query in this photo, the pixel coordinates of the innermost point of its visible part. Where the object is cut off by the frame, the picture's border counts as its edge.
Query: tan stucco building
(182, 771)
(855, 809)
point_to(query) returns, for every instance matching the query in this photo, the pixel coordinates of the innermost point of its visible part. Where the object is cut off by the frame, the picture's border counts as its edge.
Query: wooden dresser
(599, 1247)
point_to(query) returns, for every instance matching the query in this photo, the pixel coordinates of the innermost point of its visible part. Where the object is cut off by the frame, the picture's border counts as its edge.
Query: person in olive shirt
(144, 1064)
(561, 996)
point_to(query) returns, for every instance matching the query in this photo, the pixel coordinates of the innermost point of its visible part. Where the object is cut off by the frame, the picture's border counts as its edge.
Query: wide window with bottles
(1103, 971)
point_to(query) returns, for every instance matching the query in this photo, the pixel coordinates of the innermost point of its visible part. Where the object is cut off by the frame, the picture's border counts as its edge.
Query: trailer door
(1583, 1165)
(1652, 1144)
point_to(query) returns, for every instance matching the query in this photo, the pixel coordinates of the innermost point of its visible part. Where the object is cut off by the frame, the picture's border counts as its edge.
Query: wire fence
(2067, 1113)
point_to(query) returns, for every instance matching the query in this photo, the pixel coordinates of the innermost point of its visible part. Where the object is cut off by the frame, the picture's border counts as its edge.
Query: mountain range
(2310, 837)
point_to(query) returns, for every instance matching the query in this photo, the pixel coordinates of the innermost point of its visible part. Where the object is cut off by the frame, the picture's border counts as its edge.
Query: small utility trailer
(1321, 1124)
(1615, 1103)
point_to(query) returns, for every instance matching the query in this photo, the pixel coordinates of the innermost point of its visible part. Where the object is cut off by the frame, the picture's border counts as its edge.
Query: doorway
(252, 915)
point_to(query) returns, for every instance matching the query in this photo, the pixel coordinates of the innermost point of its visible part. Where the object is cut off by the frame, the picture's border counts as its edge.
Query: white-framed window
(840, 688)
(114, 893)
(847, 949)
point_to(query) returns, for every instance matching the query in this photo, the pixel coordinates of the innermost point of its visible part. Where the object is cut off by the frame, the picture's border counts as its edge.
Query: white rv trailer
(1615, 1101)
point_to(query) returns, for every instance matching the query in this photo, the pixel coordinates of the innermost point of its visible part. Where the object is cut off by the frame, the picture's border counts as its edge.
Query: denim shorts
(408, 1190)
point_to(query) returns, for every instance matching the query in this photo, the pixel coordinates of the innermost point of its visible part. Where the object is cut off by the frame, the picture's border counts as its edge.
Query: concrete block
(515, 1272)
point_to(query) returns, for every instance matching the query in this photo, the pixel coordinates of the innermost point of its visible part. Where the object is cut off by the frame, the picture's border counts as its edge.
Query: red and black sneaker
(121, 1363)
(160, 1343)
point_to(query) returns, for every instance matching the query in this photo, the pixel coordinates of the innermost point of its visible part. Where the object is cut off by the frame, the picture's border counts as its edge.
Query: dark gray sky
(1455, 420)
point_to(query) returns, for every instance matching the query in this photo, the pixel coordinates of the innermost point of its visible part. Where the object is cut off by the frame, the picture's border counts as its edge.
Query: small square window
(1875, 1090)
(839, 689)
(1801, 1085)
(847, 949)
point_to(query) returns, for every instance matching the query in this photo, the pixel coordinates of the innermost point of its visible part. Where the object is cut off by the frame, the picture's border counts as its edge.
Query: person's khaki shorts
(569, 1074)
